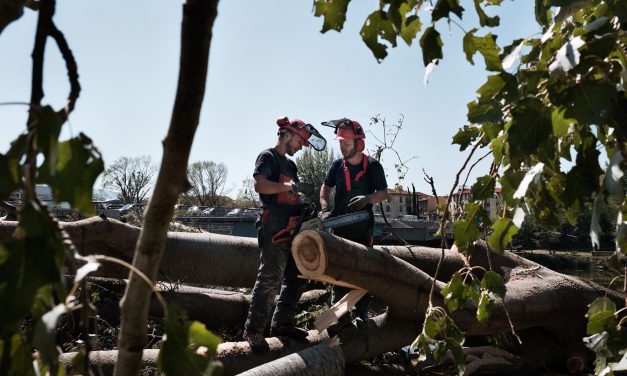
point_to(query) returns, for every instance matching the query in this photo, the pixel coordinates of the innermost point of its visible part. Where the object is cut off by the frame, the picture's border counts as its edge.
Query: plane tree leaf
(333, 12)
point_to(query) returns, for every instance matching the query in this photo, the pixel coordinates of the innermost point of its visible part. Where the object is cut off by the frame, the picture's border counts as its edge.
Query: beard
(348, 154)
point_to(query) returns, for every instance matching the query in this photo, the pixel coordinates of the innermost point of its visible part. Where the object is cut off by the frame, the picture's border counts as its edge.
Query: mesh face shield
(315, 138)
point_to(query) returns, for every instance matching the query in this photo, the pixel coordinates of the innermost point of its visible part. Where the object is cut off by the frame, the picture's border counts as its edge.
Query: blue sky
(268, 59)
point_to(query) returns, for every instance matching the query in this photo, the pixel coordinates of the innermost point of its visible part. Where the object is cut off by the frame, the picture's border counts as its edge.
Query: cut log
(215, 308)
(321, 360)
(381, 334)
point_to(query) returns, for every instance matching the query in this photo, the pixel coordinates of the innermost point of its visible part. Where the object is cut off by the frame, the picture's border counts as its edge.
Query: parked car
(237, 212)
(215, 212)
(251, 212)
(126, 208)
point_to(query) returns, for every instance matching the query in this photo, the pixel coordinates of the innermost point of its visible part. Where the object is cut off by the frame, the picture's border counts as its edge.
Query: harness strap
(347, 174)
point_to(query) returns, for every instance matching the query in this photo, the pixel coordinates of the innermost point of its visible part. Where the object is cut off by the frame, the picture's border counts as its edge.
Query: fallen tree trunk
(215, 308)
(320, 360)
(206, 258)
(380, 335)
(537, 298)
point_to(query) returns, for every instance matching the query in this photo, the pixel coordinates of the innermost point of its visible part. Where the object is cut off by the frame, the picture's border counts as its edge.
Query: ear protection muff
(360, 145)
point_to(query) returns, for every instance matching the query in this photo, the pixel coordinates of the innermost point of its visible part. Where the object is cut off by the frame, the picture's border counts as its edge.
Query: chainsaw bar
(335, 222)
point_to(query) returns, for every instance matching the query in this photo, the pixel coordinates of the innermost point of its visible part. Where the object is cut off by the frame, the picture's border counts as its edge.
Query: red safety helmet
(307, 131)
(347, 129)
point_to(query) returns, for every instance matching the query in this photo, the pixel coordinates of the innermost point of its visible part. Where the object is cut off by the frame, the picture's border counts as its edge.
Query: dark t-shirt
(373, 180)
(272, 164)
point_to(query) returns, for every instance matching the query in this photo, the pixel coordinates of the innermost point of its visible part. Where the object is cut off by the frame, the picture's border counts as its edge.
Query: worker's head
(295, 134)
(350, 134)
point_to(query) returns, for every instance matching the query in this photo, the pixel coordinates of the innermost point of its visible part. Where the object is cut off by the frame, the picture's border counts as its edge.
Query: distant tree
(130, 178)
(408, 207)
(414, 200)
(312, 168)
(247, 197)
(208, 181)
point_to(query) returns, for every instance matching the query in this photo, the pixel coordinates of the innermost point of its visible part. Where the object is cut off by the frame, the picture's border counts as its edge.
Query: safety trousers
(277, 268)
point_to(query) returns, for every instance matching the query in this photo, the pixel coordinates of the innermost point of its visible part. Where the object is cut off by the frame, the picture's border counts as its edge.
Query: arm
(378, 196)
(325, 195)
(267, 187)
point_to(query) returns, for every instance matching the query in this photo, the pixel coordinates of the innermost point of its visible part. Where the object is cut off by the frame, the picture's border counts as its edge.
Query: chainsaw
(334, 222)
(299, 223)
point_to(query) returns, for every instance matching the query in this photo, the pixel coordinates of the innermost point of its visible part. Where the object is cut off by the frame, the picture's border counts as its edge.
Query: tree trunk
(198, 19)
(381, 334)
(320, 360)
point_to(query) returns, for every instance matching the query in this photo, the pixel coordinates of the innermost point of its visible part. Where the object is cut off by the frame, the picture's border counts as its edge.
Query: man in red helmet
(276, 181)
(359, 182)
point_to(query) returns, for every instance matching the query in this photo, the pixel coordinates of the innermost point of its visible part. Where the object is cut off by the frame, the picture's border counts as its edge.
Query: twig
(445, 215)
(72, 72)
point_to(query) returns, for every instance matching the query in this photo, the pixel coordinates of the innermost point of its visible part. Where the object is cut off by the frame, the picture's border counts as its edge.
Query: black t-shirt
(272, 164)
(373, 180)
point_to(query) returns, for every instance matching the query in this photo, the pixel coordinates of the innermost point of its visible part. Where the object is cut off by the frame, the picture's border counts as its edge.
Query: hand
(305, 188)
(324, 215)
(358, 202)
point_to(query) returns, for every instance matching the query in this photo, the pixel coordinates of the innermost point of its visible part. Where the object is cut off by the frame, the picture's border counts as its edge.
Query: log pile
(546, 308)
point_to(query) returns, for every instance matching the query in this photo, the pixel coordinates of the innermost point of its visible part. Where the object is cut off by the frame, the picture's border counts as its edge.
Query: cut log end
(309, 252)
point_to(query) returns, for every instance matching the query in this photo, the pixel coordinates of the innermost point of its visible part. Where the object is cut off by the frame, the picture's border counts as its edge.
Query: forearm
(267, 187)
(378, 196)
(325, 194)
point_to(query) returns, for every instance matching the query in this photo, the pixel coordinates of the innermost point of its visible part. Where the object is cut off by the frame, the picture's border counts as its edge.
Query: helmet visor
(315, 139)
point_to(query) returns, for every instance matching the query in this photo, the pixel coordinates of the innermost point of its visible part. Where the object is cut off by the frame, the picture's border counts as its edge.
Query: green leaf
(542, 13)
(453, 293)
(602, 304)
(582, 180)
(34, 260)
(479, 113)
(200, 336)
(493, 282)
(10, 175)
(78, 166)
(178, 354)
(45, 335)
(443, 8)
(20, 356)
(602, 321)
(467, 231)
(47, 129)
(486, 45)
(484, 19)
(530, 126)
(483, 188)
(562, 126)
(483, 308)
(378, 25)
(431, 45)
(411, 27)
(503, 231)
(465, 136)
(334, 13)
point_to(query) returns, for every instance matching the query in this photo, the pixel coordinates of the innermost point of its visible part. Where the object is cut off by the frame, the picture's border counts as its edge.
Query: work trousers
(276, 268)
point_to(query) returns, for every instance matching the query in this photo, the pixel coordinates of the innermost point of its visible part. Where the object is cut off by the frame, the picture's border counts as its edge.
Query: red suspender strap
(347, 175)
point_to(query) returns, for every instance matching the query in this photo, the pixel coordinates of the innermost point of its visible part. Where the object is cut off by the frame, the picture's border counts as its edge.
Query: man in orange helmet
(276, 181)
(359, 182)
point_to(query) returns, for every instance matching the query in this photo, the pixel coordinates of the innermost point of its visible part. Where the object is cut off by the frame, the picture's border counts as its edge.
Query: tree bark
(380, 335)
(198, 19)
(537, 298)
(319, 360)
